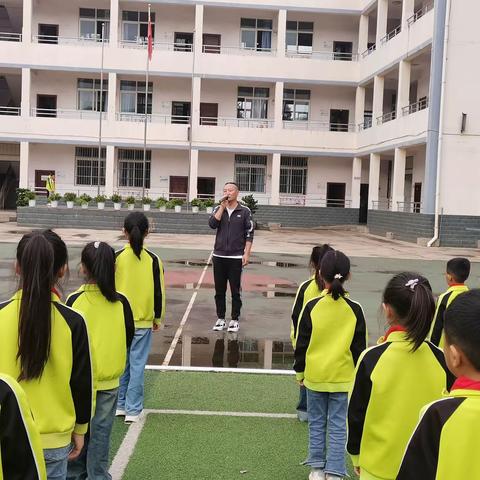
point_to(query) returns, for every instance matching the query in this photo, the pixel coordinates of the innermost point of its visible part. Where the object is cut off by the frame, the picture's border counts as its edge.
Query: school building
(348, 104)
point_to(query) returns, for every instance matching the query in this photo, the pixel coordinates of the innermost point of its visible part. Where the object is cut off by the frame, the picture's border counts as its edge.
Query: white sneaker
(120, 413)
(317, 474)
(233, 327)
(333, 477)
(132, 418)
(220, 325)
(302, 416)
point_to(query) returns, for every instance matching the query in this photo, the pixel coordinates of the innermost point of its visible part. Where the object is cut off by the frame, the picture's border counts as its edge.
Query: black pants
(228, 270)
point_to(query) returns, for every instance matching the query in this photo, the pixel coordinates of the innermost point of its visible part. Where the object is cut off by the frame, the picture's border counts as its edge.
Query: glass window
(130, 167)
(296, 105)
(132, 97)
(252, 102)
(299, 37)
(256, 34)
(89, 95)
(250, 172)
(135, 26)
(86, 166)
(293, 175)
(91, 20)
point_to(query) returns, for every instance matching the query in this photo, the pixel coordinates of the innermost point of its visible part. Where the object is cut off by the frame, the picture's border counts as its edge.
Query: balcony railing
(384, 204)
(305, 53)
(313, 200)
(386, 117)
(409, 207)
(151, 118)
(419, 13)
(369, 50)
(90, 40)
(422, 104)
(365, 125)
(15, 111)
(10, 37)
(319, 126)
(390, 35)
(237, 122)
(236, 50)
(63, 113)
(141, 44)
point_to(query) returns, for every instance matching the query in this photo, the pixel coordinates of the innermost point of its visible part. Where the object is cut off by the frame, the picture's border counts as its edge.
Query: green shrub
(146, 200)
(209, 202)
(250, 202)
(116, 198)
(196, 202)
(54, 197)
(23, 196)
(85, 198)
(70, 197)
(177, 202)
(100, 199)
(130, 200)
(161, 202)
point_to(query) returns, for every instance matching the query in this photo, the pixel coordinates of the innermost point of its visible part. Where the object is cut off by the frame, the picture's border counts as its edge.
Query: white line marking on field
(179, 331)
(214, 413)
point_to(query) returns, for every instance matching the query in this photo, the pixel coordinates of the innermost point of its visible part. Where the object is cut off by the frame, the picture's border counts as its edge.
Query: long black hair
(316, 257)
(98, 259)
(40, 257)
(136, 225)
(335, 270)
(410, 296)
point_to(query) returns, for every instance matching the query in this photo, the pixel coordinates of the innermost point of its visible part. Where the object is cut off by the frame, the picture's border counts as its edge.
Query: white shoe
(333, 477)
(132, 418)
(317, 474)
(233, 327)
(302, 416)
(120, 413)
(220, 325)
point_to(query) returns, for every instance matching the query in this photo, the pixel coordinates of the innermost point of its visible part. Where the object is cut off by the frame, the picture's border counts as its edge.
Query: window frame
(287, 173)
(255, 164)
(138, 94)
(141, 40)
(93, 159)
(296, 92)
(136, 168)
(97, 20)
(253, 100)
(256, 30)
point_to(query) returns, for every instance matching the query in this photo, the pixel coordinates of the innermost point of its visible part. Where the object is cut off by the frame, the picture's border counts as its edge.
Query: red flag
(150, 36)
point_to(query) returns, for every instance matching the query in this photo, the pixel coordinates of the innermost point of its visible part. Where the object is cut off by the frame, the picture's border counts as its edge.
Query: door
(208, 113)
(47, 33)
(342, 51)
(339, 120)
(41, 180)
(180, 112)
(178, 187)
(363, 214)
(206, 187)
(46, 105)
(417, 198)
(407, 194)
(211, 43)
(336, 194)
(183, 42)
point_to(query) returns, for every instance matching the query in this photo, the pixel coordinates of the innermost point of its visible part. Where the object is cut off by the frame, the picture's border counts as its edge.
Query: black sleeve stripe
(128, 317)
(4, 304)
(298, 305)
(17, 459)
(118, 252)
(359, 341)
(440, 356)
(81, 379)
(73, 298)
(421, 457)
(360, 397)
(439, 320)
(157, 288)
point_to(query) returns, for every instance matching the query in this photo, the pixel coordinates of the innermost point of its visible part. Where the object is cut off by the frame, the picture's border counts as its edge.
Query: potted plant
(25, 197)
(146, 202)
(117, 201)
(161, 204)
(84, 200)
(177, 202)
(170, 205)
(54, 199)
(196, 203)
(130, 201)
(69, 198)
(250, 202)
(208, 204)
(100, 199)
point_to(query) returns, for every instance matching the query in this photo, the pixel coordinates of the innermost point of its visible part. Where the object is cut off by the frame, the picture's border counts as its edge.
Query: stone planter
(146, 207)
(32, 203)
(54, 203)
(178, 208)
(209, 209)
(131, 206)
(117, 206)
(69, 204)
(195, 209)
(101, 205)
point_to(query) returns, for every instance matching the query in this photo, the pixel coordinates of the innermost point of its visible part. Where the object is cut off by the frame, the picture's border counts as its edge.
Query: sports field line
(216, 413)
(179, 331)
(252, 371)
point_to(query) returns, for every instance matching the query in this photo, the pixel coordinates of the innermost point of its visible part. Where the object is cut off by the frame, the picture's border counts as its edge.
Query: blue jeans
(327, 412)
(302, 400)
(56, 461)
(93, 461)
(130, 393)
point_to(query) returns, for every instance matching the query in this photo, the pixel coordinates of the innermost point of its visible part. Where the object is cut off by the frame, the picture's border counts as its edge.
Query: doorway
(183, 42)
(339, 120)
(41, 180)
(342, 51)
(47, 33)
(363, 214)
(206, 187)
(178, 187)
(336, 194)
(181, 112)
(211, 43)
(209, 114)
(417, 198)
(46, 105)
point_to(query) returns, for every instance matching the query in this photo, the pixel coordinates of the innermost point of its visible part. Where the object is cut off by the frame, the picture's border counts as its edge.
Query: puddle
(188, 263)
(273, 294)
(273, 285)
(278, 264)
(81, 235)
(267, 263)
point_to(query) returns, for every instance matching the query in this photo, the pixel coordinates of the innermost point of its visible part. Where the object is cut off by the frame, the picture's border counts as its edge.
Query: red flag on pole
(150, 36)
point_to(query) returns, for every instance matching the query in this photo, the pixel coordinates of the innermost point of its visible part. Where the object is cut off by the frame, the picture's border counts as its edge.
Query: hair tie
(412, 283)
(96, 244)
(338, 276)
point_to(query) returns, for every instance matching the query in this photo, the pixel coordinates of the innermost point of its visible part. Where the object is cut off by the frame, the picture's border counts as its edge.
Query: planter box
(69, 204)
(163, 208)
(32, 203)
(178, 208)
(131, 206)
(101, 205)
(54, 203)
(84, 205)
(195, 209)
(117, 206)
(146, 207)
(209, 209)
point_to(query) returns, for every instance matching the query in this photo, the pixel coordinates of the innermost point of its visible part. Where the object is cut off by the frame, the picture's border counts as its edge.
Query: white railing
(10, 111)
(236, 50)
(369, 50)
(409, 207)
(386, 117)
(151, 118)
(314, 201)
(384, 204)
(318, 125)
(163, 46)
(64, 113)
(300, 53)
(390, 35)
(415, 107)
(365, 125)
(237, 122)
(91, 40)
(10, 37)
(419, 13)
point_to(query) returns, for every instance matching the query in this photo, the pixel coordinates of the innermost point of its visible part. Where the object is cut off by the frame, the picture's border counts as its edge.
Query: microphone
(224, 198)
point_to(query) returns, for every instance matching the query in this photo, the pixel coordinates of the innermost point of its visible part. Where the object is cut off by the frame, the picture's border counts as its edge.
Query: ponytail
(316, 257)
(410, 296)
(98, 258)
(335, 270)
(136, 226)
(35, 257)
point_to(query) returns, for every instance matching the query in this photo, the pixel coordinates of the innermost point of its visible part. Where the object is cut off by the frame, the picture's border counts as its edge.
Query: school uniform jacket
(443, 302)
(62, 399)
(391, 386)
(445, 444)
(21, 456)
(330, 338)
(142, 282)
(111, 329)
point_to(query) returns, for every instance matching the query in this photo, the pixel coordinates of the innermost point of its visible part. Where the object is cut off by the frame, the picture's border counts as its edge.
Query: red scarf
(465, 383)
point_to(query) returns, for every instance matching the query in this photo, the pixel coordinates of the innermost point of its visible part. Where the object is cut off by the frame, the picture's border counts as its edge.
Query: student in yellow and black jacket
(21, 449)
(458, 271)
(311, 288)
(45, 346)
(394, 380)
(445, 443)
(111, 327)
(139, 276)
(331, 336)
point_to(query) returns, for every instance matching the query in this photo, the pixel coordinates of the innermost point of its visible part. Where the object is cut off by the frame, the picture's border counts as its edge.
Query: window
(132, 97)
(91, 20)
(252, 102)
(367, 118)
(296, 104)
(250, 172)
(86, 166)
(342, 51)
(180, 112)
(256, 34)
(299, 37)
(183, 42)
(422, 103)
(293, 175)
(88, 97)
(135, 26)
(130, 168)
(339, 120)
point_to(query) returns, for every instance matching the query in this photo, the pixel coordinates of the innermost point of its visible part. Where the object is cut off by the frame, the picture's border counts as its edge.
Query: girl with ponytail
(139, 276)
(331, 335)
(45, 347)
(395, 380)
(110, 325)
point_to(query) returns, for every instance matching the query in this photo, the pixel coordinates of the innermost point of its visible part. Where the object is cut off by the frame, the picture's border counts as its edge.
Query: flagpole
(100, 113)
(146, 106)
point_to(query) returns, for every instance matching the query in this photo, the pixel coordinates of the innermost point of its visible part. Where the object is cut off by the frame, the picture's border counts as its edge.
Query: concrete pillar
(403, 94)
(382, 18)
(193, 175)
(359, 105)
(356, 181)
(27, 21)
(378, 89)
(275, 185)
(110, 171)
(373, 180)
(196, 99)
(112, 96)
(281, 32)
(25, 102)
(408, 9)
(398, 189)
(363, 33)
(278, 106)
(114, 21)
(268, 355)
(198, 35)
(24, 161)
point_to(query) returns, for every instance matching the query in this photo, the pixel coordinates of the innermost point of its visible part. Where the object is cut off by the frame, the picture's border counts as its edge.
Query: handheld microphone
(224, 198)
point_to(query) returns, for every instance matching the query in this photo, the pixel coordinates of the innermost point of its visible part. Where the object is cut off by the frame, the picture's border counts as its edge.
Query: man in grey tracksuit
(233, 244)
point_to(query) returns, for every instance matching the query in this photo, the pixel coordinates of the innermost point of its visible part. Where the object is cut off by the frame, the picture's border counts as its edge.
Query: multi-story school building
(352, 104)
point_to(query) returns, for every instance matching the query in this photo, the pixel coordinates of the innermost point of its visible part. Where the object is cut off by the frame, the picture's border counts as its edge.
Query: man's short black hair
(232, 183)
(462, 325)
(459, 269)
